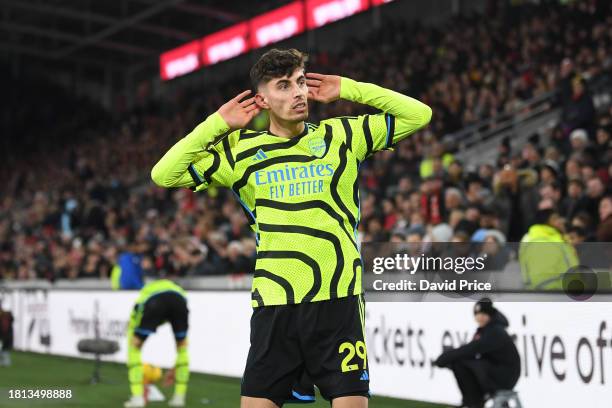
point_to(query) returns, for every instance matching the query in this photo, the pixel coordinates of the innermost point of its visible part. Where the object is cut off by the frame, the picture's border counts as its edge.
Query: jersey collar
(304, 133)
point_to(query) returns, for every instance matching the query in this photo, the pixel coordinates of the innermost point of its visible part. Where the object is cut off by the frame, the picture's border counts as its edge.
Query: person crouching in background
(488, 363)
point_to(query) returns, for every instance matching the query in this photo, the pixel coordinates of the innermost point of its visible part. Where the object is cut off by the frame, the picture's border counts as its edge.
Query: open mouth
(301, 105)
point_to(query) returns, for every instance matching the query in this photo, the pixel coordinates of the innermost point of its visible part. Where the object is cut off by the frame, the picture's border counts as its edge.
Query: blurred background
(520, 91)
(95, 92)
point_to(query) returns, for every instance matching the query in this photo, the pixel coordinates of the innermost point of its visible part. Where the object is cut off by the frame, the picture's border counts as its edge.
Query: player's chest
(306, 169)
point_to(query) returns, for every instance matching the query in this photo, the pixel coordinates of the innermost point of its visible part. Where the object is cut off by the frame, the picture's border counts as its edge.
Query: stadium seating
(70, 207)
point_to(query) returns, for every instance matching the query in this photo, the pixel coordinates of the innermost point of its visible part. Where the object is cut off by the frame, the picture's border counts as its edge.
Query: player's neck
(286, 129)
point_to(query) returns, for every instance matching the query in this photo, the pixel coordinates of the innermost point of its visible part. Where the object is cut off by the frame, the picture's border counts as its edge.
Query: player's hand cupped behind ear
(323, 88)
(236, 113)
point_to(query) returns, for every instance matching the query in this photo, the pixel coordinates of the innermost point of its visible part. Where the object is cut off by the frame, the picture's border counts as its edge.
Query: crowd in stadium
(70, 205)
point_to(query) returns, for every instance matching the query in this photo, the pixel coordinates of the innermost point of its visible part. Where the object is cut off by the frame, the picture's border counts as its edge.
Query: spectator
(454, 174)
(604, 230)
(452, 199)
(573, 169)
(603, 144)
(549, 172)
(594, 192)
(94, 189)
(488, 363)
(515, 196)
(579, 140)
(578, 111)
(544, 253)
(531, 156)
(550, 195)
(436, 153)
(237, 262)
(575, 200)
(495, 251)
(431, 201)
(564, 89)
(577, 236)
(128, 273)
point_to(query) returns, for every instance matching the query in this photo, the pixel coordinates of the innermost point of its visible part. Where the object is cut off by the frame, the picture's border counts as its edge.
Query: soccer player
(297, 184)
(159, 301)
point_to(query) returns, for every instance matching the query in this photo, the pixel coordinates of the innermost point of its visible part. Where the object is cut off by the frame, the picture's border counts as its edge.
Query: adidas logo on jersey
(364, 376)
(260, 155)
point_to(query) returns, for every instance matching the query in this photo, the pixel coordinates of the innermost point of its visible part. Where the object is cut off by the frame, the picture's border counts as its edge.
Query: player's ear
(261, 101)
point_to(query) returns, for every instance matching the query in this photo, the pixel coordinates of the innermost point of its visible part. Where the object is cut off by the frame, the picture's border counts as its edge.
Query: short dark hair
(543, 216)
(577, 230)
(277, 63)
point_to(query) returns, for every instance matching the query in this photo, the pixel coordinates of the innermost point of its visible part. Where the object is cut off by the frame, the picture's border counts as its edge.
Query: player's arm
(173, 169)
(402, 115)
(183, 164)
(487, 343)
(409, 114)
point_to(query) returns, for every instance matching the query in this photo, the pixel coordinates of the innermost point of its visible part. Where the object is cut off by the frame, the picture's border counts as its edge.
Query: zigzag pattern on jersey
(315, 233)
(298, 158)
(335, 208)
(316, 272)
(311, 204)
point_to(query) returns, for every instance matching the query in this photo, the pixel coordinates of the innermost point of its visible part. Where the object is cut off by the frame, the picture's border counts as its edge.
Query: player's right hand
(238, 114)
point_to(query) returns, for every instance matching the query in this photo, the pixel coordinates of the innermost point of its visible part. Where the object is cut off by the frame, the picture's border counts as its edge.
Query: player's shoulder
(232, 139)
(343, 126)
(343, 121)
(239, 144)
(338, 120)
(312, 126)
(245, 137)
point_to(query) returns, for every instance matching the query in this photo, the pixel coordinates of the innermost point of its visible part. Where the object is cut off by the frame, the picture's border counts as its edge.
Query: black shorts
(164, 307)
(323, 339)
(303, 391)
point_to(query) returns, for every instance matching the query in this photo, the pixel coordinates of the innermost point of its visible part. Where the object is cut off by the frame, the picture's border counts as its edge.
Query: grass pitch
(41, 371)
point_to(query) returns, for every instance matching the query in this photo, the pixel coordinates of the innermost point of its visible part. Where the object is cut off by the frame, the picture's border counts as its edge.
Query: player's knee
(251, 402)
(350, 402)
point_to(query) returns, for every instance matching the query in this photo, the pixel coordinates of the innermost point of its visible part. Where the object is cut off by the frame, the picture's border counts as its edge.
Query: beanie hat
(484, 305)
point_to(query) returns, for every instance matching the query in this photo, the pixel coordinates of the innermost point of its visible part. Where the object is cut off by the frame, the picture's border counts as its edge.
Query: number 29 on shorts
(358, 348)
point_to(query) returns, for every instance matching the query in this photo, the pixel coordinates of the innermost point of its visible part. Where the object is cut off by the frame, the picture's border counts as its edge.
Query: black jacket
(491, 343)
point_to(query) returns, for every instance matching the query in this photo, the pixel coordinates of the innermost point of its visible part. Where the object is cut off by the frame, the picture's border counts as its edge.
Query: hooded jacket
(545, 255)
(493, 344)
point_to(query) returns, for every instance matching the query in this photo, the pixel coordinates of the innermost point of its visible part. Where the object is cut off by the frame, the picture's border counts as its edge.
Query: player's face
(286, 98)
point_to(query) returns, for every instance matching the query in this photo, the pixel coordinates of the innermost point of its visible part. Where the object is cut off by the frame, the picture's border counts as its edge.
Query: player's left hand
(323, 88)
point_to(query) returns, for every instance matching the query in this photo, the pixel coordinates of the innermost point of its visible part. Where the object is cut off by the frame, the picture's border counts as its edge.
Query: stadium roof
(120, 35)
